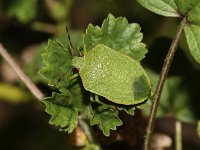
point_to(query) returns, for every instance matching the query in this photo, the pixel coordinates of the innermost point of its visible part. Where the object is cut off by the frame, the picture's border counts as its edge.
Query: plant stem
(31, 86)
(163, 76)
(178, 128)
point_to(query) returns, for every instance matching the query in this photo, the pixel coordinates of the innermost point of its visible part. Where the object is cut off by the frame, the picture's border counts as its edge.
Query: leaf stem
(30, 85)
(163, 76)
(178, 128)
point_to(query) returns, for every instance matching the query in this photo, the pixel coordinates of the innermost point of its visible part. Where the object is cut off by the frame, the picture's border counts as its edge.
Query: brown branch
(30, 85)
(163, 76)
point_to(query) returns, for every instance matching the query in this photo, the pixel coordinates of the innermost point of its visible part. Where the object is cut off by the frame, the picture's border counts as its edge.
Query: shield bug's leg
(73, 76)
(70, 43)
(92, 97)
(95, 98)
(73, 53)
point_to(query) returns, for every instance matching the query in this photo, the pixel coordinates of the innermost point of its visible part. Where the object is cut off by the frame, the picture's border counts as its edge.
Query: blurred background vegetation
(25, 27)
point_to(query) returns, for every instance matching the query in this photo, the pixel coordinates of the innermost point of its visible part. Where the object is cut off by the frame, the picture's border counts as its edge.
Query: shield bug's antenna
(70, 43)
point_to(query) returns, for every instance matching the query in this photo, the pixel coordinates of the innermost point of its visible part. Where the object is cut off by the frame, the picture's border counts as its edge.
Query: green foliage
(192, 33)
(179, 8)
(24, 10)
(185, 6)
(57, 60)
(117, 34)
(74, 100)
(162, 7)
(107, 73)
(107, 119)
(63, 113)
(194, 12)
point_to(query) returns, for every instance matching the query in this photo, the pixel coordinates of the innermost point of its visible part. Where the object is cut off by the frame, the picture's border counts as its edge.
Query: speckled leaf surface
(117, 34)
(113, 75)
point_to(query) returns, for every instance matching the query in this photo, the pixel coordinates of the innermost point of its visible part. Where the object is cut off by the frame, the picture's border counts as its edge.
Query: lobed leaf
(192, 33)
(61, 111)
(162, 7)
(117, 34)
(107, 119)
(58, 68)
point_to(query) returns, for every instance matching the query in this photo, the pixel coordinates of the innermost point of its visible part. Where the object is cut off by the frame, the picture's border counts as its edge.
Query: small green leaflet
(62, 114)
(115, 76)
(117, 34)
(107, 119)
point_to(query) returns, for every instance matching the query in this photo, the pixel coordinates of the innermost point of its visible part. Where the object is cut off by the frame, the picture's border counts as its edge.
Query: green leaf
(162, 7)
(117, 34)
(24, 10)
(185, 6)
(107, 119)
(62, 112)
(194, 14)
(192, 33)
(175, 8)
(198, 128)
(58, 68)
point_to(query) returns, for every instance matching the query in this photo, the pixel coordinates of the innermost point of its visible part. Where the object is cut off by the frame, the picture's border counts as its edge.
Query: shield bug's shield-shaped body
(113, 75)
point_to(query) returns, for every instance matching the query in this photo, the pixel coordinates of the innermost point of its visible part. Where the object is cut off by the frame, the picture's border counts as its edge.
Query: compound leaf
(107, 119)
(117, 34)
(62, 113)
(162, 7)
(192, 33)
(57, 69)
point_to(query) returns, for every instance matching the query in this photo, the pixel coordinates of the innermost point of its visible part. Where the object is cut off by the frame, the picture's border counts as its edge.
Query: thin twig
(163, 76)
(31, 86)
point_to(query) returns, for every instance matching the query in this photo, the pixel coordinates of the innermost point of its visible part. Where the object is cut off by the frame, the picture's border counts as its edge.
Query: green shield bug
(113, 75)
